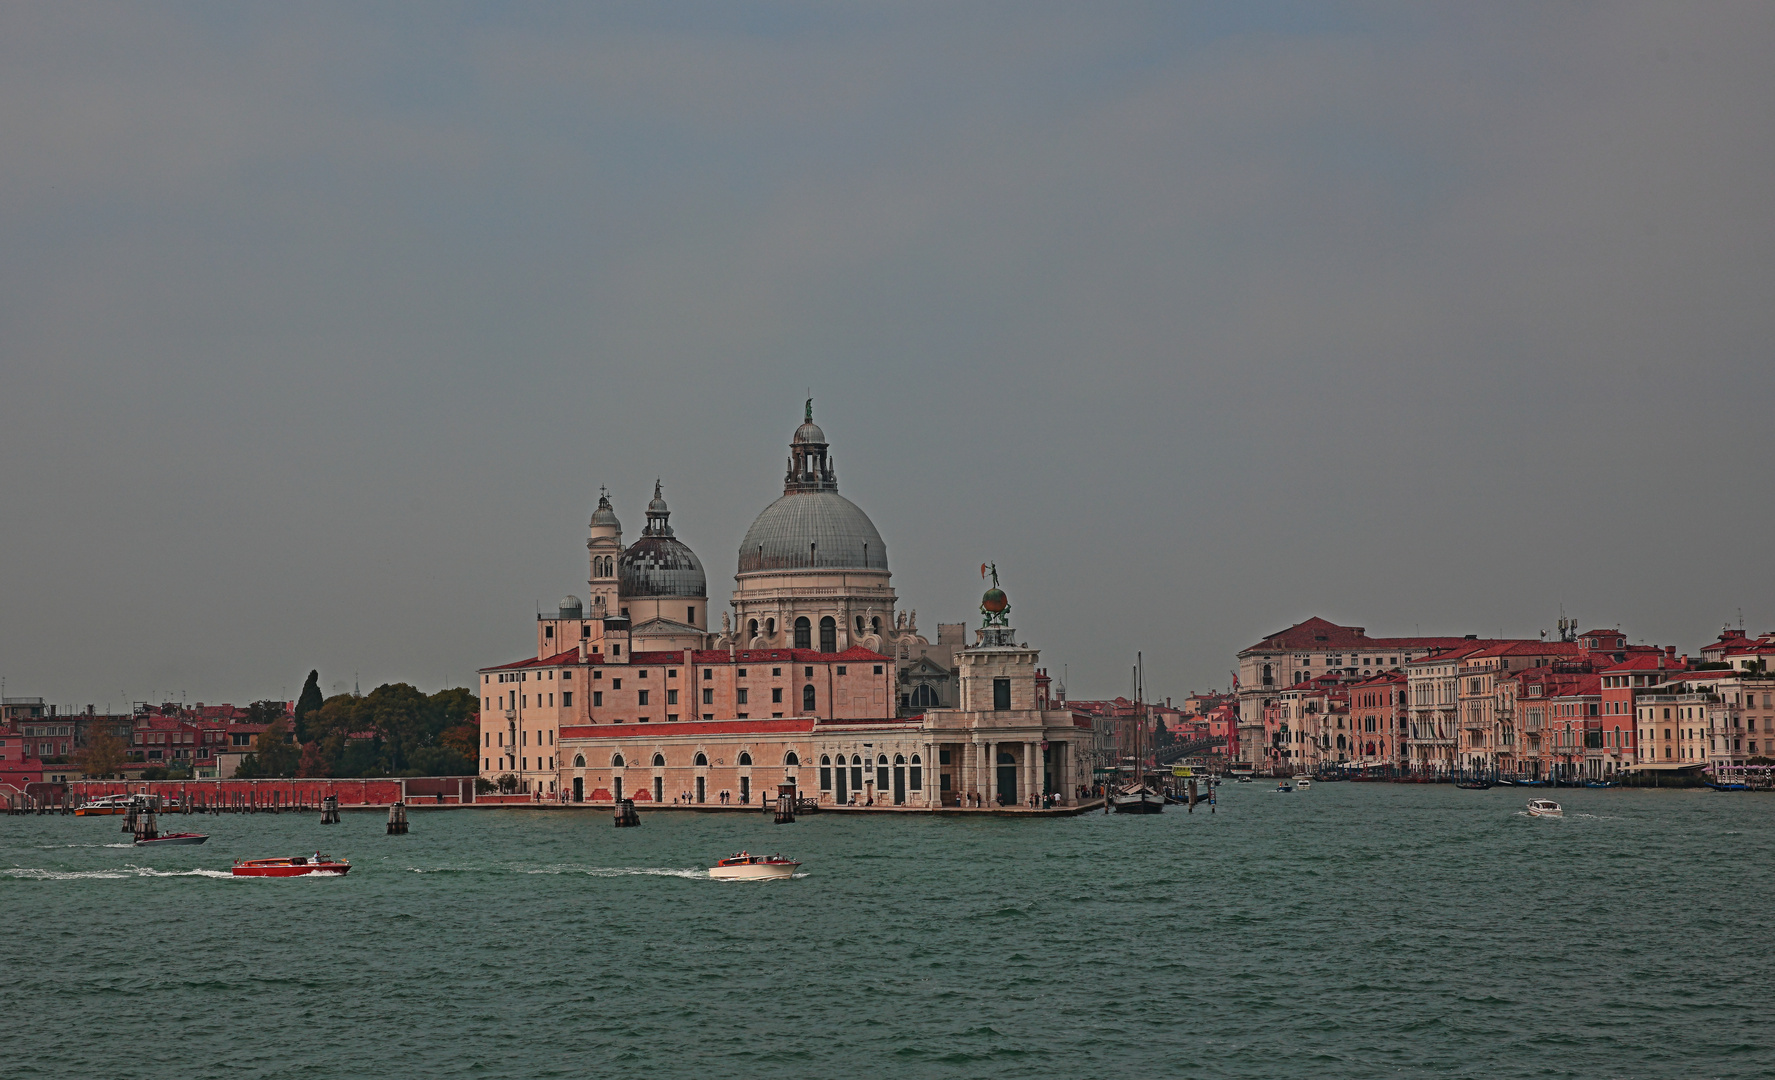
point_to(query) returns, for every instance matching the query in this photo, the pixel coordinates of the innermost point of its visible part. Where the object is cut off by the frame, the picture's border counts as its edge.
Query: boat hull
(286, 869)
(175, 838)
(761, 871)
(1138, 804)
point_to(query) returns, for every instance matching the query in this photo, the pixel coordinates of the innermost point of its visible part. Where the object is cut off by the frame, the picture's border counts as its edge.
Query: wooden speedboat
(295, 866)
(174, 838)
(1545, 808)
(749, 867)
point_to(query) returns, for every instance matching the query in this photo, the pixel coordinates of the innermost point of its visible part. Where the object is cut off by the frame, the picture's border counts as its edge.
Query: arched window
(859, 624)
(899, 759)
(807, 698)
(659, 761)
(745, 758)
(828, 634)
(825, 759)
(923, 697)
(855, 760)
(579, 761)
(916, 759)
(702, 759)
(881, 759)
(792, 758)
(751, 627)
(803, 633)
(770, 628)
(616, 761)
(875, 624)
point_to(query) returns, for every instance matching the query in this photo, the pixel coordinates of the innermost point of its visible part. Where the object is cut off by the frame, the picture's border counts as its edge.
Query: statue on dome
(995, 606)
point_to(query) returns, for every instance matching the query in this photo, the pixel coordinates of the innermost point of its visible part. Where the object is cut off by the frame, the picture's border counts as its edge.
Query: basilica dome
(659, 564)
(806, 530)
(812, 527)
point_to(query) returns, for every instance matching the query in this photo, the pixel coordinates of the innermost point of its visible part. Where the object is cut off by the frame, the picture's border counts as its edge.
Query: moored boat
(1545, 808)
(174, 838)
(1137, 800)
(295, 866)
(748, 867)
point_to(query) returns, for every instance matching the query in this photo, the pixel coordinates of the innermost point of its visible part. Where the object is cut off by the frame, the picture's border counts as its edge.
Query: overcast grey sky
(320, 325)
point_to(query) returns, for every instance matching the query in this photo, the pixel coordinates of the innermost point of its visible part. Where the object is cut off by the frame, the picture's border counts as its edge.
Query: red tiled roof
(1317, 633)
(801, 724)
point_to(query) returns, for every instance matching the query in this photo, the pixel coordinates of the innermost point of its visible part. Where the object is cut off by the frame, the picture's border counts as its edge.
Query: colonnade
(978, 770)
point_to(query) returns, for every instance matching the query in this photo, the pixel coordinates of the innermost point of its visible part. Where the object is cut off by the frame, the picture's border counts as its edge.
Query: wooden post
(397, 819)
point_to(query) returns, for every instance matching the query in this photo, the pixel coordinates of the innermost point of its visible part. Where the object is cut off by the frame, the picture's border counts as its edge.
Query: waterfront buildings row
(1585, 705)
(39, 742)
(816, 678)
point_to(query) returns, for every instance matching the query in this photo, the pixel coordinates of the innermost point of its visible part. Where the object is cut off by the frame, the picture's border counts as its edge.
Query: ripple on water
(1408, 930)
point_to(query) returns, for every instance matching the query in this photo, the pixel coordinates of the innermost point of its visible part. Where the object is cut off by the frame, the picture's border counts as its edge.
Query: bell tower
(605, 545)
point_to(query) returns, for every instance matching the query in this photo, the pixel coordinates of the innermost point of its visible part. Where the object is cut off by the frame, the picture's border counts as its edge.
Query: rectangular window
(672, 696)
(942, 757)
(597, 674)
(841, 669)
(641, 697)
(616, 684)
(741, 695)
(671, 718)
(776, 694)
(776, 672)
(708, 696)
(566, 698)
(708, 673)
(597, 698)
(671, 673)
(878, 669)
(741, 673)
(1001, 693)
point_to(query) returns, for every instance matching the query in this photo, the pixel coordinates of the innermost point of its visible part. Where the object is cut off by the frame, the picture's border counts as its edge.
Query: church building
(632, 694)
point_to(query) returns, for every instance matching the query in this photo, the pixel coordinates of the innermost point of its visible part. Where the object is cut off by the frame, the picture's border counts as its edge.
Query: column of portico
(1033, 752)
(971, 782)
(932, 776)
(991, 787)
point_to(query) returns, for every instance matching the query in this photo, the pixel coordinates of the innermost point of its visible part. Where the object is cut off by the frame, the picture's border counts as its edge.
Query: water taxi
(173, 838)
(1545, 808)
(1302, 782)
(295, 866)
(748, 867)
(110, 804)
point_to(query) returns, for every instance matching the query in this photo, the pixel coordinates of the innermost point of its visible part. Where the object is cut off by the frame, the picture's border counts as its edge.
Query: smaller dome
(604, 515)
(571, 607)
(810, 433)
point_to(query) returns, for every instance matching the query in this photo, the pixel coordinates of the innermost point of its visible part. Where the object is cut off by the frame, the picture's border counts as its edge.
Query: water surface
(1350, 930)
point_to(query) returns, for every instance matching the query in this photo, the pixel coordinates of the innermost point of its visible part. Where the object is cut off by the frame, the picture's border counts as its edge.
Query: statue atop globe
(995, 606)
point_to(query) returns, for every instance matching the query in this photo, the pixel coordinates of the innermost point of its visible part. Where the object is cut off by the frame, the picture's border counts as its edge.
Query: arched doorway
(1007, 778)
(843, 790)
(899, 780)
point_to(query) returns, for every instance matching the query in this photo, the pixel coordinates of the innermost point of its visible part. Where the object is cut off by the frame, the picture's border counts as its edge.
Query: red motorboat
(295, 866)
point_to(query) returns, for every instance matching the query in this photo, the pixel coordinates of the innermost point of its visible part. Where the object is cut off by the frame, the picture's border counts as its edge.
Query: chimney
(1670, 650)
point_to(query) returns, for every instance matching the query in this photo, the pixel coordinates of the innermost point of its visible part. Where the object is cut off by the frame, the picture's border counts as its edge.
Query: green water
(1351, 930)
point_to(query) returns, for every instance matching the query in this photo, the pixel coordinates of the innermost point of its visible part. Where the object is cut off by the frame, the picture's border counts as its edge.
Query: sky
(321, 325)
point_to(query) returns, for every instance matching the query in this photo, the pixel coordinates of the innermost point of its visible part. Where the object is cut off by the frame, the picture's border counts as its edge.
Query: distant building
(815, 677)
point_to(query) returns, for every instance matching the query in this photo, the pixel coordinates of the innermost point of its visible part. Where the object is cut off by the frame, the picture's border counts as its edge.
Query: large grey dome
(807, 530)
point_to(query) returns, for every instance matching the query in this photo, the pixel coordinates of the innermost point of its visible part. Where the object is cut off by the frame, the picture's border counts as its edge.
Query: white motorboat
(749, 867)
(1303, 782)
(1545, 808)
(1137, 800)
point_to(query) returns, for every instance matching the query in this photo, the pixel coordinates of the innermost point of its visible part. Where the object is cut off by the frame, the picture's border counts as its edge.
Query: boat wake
(567, 868)
(125, 873)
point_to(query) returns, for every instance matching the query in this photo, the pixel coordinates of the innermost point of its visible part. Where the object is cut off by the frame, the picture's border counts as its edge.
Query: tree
(314, 763)
(462, 738)
(102, 756)
(277, 756)
(439, 761)
(508, 783)
(309, 700)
